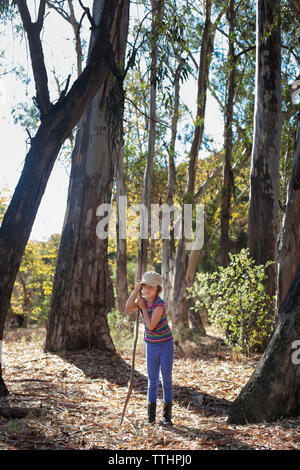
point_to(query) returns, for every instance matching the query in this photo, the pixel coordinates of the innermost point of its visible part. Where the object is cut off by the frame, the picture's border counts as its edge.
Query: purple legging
(160, 356)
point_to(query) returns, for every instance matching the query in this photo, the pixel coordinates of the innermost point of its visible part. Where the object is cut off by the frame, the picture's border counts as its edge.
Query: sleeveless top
(161, 332)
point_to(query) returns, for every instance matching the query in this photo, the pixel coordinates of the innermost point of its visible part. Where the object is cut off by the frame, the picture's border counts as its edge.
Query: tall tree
(276, 379)
(168, 244)
(57, 122)
(227, 170)
(185, 265)
(157, 10)
(175, 54)
(264, 181)
(288, 251)
(82, 294)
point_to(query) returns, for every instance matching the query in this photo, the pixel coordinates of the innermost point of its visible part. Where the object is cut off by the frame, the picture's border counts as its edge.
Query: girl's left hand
(140, 303)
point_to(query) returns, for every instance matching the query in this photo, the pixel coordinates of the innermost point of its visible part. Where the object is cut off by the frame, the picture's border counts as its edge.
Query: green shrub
(237, 302)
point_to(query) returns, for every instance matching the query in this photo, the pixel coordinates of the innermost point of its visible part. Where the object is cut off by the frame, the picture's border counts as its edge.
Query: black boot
(167, 414)
(151, 412)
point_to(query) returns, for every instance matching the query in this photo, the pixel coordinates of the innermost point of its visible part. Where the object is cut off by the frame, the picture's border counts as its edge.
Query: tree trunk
(55, 127)
(121, 276)
(3, 389)
(157, 6)
(180, 281)
(264, 182)
(289, 253)
(227, 172)
(168, 244)
(81, 295)
(23, 319)
(273, 390)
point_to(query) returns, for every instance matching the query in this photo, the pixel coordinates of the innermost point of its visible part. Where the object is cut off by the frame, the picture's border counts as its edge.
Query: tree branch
(88, 13)
(41, 14)
(87, 83)
(60, 11)
(37, 56)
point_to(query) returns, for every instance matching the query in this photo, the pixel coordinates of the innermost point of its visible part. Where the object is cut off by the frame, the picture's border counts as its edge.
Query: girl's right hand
(138, 286)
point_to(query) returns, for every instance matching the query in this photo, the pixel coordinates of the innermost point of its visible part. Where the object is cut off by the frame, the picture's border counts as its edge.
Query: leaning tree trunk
(81, 295)
(273, 390)
(264, 183)
(57, 122)
(289, 253)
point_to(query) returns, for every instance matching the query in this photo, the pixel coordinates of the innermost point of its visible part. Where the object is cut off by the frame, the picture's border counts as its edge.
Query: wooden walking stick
(132, 364)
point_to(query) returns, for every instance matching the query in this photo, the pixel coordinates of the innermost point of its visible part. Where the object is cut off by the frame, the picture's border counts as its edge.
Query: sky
(51, 212)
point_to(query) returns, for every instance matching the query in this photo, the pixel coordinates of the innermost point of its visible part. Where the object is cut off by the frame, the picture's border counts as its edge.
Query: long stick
(132, 365)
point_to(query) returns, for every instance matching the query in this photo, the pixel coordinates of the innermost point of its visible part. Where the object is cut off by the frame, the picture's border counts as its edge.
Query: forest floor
(82, 396)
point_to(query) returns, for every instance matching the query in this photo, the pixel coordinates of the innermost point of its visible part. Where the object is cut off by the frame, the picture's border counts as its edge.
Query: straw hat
(151, 278)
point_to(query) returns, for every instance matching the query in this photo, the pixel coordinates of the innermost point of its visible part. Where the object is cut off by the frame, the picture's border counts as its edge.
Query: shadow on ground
(113, 368)
(97, 364)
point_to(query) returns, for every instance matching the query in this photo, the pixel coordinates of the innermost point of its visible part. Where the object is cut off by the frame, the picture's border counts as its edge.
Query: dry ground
(82, 395)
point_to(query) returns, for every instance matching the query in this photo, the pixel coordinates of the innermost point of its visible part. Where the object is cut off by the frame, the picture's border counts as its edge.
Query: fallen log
(17, 412)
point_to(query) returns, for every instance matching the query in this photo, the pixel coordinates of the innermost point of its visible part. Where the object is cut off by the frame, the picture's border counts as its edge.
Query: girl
(159, 341)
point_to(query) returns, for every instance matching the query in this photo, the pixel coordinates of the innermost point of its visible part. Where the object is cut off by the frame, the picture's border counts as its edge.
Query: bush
(237, 302)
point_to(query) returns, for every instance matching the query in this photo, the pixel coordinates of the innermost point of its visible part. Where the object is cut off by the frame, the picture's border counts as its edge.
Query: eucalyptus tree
(186, 259)
(227, 172)
(264, 182)
(156, 18)
(82, 291)
(174, 52)
(288, 258)
(152, 101)
(288, 252)
(177, 48)
(232, 85)
(57, 122)
(276, 378)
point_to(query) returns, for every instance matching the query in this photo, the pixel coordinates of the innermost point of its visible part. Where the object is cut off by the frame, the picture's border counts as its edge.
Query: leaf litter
(82, 394)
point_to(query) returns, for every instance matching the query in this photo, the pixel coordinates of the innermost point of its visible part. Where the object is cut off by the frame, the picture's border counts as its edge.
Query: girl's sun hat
(151, 278)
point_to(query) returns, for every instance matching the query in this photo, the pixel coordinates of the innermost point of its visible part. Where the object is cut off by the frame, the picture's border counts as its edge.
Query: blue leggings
(160, 356)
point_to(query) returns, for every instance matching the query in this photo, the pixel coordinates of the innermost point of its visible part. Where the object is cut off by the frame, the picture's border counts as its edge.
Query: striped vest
(162, 330)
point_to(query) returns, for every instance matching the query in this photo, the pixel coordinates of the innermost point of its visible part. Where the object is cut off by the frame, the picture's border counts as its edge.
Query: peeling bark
(289, 253)
(82, 294)
(121, 284)
(227, 171)
(264, 180)
(168, 245)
